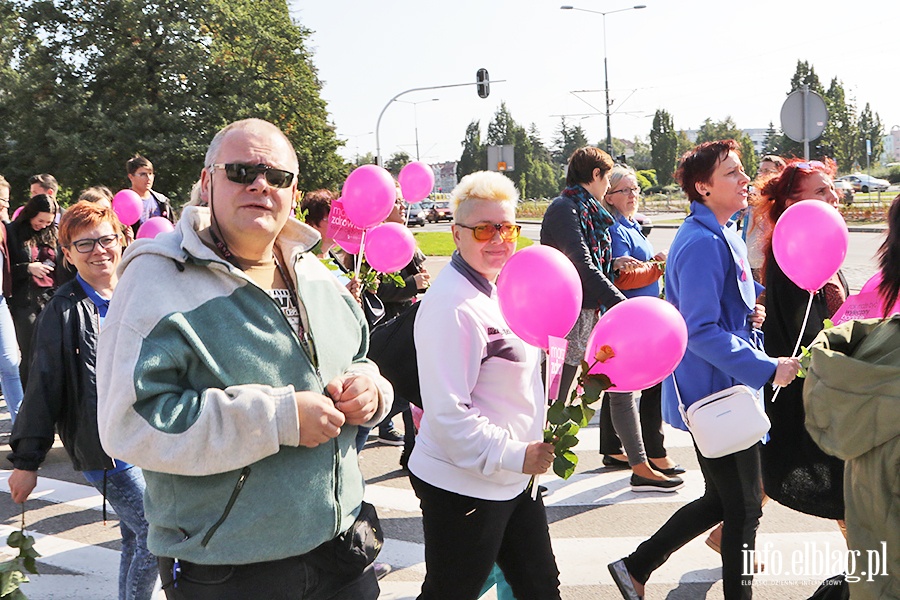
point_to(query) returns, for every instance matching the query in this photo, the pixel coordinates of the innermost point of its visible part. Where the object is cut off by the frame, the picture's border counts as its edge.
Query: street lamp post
(609, 148)
(416, 118)
(355, 138)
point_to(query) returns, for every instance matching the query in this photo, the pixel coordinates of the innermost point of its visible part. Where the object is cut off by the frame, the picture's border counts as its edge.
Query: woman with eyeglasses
(640, 434)
(708, 280)
(481, 435)
(62, 393)
(577, 224)
(34, 259)
(796, 472)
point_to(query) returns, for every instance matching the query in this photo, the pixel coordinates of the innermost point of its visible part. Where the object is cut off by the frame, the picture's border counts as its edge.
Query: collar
(625, 221)
(478, 280)
(99, 301)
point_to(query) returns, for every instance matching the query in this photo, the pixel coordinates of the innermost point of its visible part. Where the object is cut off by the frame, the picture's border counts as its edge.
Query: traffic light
(484, 83)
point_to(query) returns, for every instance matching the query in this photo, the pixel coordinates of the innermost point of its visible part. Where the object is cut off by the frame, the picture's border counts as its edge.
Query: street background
(594, 517)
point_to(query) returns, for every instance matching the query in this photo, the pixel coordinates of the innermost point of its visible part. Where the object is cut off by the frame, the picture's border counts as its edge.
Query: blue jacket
(708, 280)
(629, 240)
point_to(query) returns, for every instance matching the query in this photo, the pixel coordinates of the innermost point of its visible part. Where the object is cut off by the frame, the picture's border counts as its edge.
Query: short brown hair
(317, 205)
(137, 162)
(85, 215)
(699, 164)
(583, 162)
(45, 180)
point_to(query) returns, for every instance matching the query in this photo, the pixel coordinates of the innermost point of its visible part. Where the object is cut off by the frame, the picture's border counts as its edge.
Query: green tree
(97, 81)
(541, 181)
(663, 146)
(568, 139)
(841, 130)
(773, 138)
(870, 128)
(503, 130)
(727, 129)
(642, 157)
(684, 145)
(474, 154)
(397, 161)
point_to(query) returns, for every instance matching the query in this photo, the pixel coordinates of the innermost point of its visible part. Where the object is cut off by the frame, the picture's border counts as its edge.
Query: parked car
(416, 215)
(440, 211)
(864, 183)
(645, 223)
(845, 190)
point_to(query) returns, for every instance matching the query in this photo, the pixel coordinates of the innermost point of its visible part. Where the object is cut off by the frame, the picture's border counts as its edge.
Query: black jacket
(62, 387)
(561, 229)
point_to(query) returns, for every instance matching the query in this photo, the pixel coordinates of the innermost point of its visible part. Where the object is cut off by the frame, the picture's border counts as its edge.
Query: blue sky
(694, 58)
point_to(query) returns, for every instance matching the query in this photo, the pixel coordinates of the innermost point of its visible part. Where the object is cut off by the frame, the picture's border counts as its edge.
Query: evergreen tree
(663, 146)
(474, 154)
(568, 139)
(870, 128)
(841, 130)
(773, 138)
(727, 129)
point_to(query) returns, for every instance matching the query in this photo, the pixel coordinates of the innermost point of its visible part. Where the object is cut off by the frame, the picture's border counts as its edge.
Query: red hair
(774, 192)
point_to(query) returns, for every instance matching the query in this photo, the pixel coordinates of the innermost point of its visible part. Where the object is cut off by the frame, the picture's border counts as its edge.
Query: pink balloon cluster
(810, 243)
(540, 294)
(389, 247)
(648, 337)
(369, 194)
(416, 181)
(127, 206)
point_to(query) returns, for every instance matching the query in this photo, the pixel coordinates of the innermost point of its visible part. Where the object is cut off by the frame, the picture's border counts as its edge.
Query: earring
(707, 193)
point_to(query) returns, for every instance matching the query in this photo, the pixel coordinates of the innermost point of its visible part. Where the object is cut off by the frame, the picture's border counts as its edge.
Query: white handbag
(725, 422)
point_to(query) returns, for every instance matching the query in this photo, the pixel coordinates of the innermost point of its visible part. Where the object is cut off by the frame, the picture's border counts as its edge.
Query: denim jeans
(138, 569)
(9, 361)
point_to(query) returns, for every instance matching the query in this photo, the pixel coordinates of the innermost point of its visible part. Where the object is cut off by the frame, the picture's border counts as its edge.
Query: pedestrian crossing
(594, 519)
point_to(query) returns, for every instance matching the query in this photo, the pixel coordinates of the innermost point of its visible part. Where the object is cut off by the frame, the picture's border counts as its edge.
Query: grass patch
(440, 243)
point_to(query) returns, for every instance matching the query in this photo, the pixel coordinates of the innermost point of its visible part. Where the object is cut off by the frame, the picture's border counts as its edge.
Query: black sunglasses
(246, 174)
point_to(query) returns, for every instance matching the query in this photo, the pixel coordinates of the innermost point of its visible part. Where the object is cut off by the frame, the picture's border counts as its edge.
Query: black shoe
(390, 436)
(643, 484)
(615, 463)
(676, 470)
(622, 578)
(404, 460)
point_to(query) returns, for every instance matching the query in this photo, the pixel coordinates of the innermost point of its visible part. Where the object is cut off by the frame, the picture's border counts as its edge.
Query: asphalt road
(594, 517)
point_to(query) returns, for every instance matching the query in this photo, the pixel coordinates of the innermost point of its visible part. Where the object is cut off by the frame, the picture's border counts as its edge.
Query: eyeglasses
(635, 191)
(87, 244)
(485, 233)
(806, 167)
(246, 174)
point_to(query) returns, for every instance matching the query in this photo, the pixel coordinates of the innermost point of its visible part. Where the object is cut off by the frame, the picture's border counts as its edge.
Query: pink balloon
(872, 284)
(540, 294)
(368, 195)
(389, 247)
(17, 211)
(810, 243)
(127, 206)
(154, 226)
(648, 337)
(416, 181)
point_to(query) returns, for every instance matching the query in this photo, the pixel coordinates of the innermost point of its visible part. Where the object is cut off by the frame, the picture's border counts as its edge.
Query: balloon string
(777, 388)
(359, 257)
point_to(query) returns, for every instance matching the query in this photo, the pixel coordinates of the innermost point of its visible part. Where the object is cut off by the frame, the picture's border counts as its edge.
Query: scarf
(595, 224)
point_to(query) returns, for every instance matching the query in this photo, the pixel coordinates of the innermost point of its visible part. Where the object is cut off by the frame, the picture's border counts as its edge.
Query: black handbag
(352, 551)
(833, 588)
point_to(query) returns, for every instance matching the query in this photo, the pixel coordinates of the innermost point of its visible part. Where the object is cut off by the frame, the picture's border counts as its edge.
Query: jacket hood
(184, 243)
(851, 395)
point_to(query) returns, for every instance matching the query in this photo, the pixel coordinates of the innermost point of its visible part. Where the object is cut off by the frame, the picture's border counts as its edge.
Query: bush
(650, 175)
(642, 181)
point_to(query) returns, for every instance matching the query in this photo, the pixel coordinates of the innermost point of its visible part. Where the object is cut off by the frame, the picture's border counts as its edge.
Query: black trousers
(734, 497)
(292, 578)
(465, 536)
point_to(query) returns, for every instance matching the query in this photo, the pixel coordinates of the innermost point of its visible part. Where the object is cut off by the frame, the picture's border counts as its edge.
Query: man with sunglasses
(481, 436)
(240, 389)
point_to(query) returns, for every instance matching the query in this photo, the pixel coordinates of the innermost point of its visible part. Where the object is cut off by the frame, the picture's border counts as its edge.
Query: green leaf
(567, 429)
(15, 539)
(588, 415)
(575, 413)
(594, 386)
(556, 414)
(10, 581)
(548, 435)
(827, 324)
(30, 565)
(563, 466)
(564, 443)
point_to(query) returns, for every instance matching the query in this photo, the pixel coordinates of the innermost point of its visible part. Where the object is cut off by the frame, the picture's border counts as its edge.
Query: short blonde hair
(481, 185)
